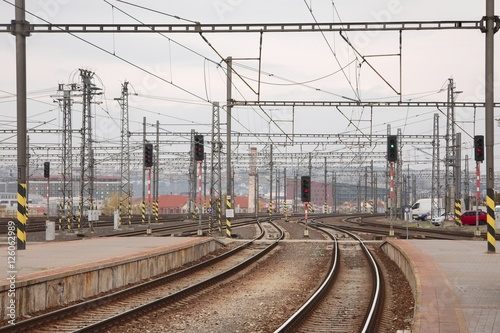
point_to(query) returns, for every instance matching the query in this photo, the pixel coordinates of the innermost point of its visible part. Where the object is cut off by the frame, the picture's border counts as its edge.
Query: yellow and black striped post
(284, 210)
(270, 208)
(458, 211)
(157, 210)
(372, 208)
(228, 221)
(21, 216)
(60, 215)
(143, 211)
(69, 216)
(219, 216)
(80, 212)
(490, 207)
(325, 208)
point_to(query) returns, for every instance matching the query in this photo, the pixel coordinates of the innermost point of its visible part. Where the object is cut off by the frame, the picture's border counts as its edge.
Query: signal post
(305, 190)
(392, 157)
(148, 163)
(198, 157)
(479, 158)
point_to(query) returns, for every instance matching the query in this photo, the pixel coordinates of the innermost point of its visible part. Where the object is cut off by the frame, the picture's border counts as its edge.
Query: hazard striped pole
(21, 216)
(143, 211)
(156, 209)
(458, 211)
(491, 26)
(490, 208)
(60, 215)
(228, 221)
(80, 213)
(69, 216)
(219, 215)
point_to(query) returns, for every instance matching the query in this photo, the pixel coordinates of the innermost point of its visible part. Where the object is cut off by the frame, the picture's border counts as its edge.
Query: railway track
(350, 297)
(100, 313)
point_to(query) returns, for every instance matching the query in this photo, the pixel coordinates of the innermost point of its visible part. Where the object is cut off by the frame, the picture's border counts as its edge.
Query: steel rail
(28, 324)
(291, 323)
(369, 323)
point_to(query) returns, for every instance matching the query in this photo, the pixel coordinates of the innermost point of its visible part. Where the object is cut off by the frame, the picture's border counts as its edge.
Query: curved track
(351, 288)
(97, 314)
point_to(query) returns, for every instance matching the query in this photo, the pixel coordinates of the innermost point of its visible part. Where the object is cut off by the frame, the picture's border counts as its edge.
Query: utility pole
(215, 176)
(143, 204)
(334, 192)
(229, 107)
(466, 184)
(450, 159)
(125, 198)
(65, 103)
(21, 32)
(87, 151)
(435, 192)
(310, 203)
(192, 181)
(325, 203)
(271, 182)
(490, 30)
(156, 168)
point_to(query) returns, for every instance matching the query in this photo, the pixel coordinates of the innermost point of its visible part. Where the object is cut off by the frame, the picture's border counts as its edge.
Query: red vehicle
(469, 217)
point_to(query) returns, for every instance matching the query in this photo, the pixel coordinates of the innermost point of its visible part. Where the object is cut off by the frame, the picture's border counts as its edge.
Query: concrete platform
(56, 273)
(456, 284)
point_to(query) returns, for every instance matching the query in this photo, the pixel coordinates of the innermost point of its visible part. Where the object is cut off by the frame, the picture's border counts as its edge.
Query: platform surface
(460, 280)
(57, 256)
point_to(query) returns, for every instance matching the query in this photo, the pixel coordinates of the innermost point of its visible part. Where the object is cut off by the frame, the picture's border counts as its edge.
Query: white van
(422, 206)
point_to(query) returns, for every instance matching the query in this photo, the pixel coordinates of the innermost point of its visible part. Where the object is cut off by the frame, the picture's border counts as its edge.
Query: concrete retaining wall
(76, 284)
(403, 262)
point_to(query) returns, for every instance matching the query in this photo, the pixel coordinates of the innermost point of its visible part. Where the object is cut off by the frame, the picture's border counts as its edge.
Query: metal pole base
(200, 232)
(148, 231)
(477, 233)
(391, 232)
(306, 233)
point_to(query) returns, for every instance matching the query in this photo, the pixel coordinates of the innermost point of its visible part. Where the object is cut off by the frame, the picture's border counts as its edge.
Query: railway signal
(392, 148)
(198, 147)
(479, 148)
(46, 170)
(148, 155)
(305, 188)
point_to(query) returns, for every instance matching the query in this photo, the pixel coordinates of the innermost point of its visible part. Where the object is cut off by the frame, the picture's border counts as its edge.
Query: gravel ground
(262, 298)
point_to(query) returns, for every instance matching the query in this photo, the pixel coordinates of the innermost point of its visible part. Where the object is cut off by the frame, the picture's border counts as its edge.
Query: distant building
(104, 186)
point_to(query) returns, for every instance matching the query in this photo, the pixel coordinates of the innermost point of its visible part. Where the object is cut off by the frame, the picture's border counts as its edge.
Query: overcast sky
(189, 74)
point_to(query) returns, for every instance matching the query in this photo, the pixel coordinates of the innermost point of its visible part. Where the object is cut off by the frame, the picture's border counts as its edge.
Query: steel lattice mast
(215, 175)
(86, 153)
(125, 197)
(450, 159)
(435, 192)
(67, 153)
